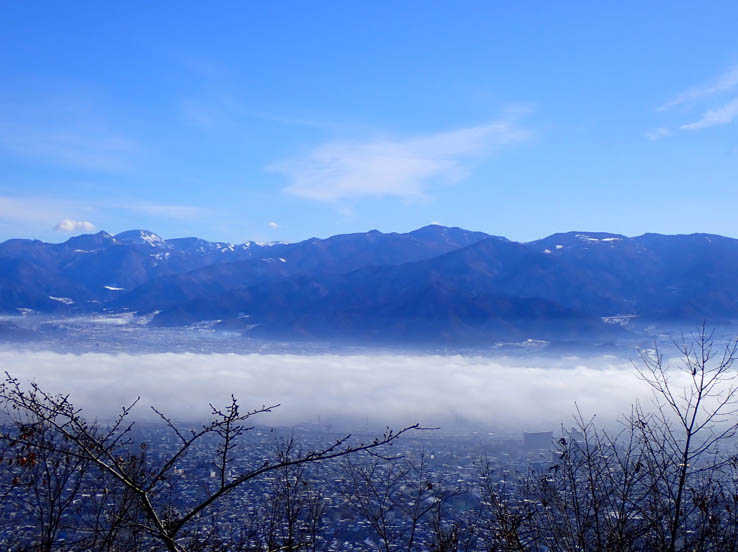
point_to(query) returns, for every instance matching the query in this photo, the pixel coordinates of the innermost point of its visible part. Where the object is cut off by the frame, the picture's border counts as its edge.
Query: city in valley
(368, 276)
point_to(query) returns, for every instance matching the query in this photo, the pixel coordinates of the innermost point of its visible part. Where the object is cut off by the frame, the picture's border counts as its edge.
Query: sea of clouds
(490, 393)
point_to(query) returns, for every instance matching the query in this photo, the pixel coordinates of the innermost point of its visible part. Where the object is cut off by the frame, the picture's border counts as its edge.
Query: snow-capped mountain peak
(142, 237)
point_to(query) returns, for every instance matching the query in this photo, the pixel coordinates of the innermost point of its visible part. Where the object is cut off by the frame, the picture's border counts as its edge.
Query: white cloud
(658, 133)
(68, 225)
(719, 116)
(503, 392)
(273, 224)
(725, 82)
(399, 168)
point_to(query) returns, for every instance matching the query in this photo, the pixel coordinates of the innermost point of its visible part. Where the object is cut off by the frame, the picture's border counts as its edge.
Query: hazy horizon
(63, 238)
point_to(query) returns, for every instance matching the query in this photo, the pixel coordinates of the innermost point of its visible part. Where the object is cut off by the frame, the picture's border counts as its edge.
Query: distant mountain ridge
(432, 283)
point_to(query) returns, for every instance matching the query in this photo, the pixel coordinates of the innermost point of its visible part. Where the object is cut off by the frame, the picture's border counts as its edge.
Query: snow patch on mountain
(143, 237)
(586, 238)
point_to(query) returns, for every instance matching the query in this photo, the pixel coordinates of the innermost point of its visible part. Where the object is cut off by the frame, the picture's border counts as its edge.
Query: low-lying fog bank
(453, 392)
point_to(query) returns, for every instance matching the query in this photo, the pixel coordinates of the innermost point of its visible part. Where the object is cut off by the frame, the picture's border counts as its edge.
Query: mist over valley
(368, 277)
(445, 326)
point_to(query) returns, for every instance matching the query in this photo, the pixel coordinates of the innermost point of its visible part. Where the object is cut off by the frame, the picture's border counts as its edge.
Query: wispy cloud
(69, 226)
(400, 168)
(719, 116)
(212, 111)
(38, 214)
(711, 98)
(171, 211)
(658, 133)
(81, 148)
(221, 110)
(724, 83)
(63, 132)
(43, 211)
(273, 225)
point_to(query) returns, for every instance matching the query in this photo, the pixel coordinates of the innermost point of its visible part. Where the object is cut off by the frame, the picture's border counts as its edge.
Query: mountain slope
(432, 283)
(495, 285)
(139, 270)
(335, 255)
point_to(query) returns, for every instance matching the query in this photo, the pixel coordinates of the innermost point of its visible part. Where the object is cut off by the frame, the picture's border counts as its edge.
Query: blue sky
(285, 120)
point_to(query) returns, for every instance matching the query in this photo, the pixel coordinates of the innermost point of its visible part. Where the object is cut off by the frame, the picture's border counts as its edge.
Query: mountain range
(434, 283)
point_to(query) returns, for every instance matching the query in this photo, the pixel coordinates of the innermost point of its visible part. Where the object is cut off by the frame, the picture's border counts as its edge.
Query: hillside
(432, 283)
